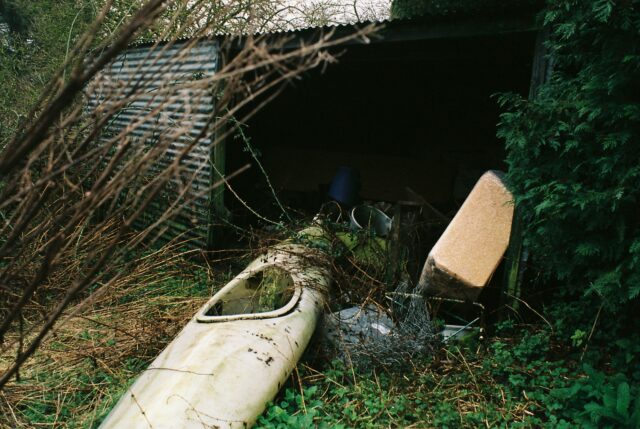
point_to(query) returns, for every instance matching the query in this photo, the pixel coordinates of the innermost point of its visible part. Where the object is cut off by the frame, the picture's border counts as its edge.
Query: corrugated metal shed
(437, 19)
(149, 66)
(156, 76)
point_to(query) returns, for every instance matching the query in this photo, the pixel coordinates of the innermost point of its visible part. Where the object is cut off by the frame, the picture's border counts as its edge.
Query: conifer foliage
(574, 151)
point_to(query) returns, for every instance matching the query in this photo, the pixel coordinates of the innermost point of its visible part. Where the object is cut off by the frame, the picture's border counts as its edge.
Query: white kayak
(238, 350)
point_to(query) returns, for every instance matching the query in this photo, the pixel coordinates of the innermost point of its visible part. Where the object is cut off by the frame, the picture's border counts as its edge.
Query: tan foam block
(470, 249)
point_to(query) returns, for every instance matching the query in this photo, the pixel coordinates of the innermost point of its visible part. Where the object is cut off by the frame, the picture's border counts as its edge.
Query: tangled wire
(366, 337)
(381, 319)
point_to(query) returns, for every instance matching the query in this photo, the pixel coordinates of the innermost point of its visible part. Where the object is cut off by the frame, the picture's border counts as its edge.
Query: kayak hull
(222, 370)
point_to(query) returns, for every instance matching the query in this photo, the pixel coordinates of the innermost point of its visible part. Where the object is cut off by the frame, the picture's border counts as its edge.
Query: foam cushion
(467, 254)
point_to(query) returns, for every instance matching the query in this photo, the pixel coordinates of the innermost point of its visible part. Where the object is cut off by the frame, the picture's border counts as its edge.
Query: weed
(88, 363)
(524, 377)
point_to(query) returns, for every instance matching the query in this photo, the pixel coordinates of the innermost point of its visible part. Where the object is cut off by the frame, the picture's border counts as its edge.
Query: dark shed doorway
(418, 114)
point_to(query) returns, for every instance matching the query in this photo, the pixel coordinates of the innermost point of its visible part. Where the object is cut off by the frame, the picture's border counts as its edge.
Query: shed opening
(412, 117)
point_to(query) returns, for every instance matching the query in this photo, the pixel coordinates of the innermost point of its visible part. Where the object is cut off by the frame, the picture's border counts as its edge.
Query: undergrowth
(525, 376)
(569, 371)
(85, 366)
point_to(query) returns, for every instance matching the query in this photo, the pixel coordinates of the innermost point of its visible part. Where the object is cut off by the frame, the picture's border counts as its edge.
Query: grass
(560, 374)
(88, 362)
(452, 389)
(524, 377)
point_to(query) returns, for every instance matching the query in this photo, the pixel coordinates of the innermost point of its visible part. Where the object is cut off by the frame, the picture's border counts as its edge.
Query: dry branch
(74, 189)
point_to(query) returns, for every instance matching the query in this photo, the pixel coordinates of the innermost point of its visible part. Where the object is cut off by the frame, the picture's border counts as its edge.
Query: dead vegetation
(89, 294)
(72, 194)
(101, 343)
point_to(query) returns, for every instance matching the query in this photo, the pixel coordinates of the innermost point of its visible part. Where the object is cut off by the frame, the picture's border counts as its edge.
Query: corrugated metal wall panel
(157, 80)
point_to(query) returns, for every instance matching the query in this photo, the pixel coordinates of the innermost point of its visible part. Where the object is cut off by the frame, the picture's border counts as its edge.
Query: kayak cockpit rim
(237, 289)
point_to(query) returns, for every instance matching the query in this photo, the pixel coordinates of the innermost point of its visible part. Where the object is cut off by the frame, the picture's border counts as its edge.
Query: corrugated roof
(494, 9)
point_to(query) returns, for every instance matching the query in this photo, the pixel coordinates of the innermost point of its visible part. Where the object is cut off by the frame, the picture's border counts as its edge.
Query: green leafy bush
(526, 376)
(574, 151)
(41, 32)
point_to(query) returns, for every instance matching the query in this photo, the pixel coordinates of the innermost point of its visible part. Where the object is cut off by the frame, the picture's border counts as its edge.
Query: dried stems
(74, 186)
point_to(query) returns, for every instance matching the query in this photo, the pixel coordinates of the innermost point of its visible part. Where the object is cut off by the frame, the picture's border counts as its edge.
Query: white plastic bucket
(367, 217)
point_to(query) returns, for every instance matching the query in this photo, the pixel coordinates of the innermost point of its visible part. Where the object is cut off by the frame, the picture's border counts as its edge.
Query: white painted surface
(222, 374)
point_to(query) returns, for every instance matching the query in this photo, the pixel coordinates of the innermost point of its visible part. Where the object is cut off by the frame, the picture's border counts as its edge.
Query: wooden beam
(218, 162)
(217, 209)
(454, 29)
(397, 31)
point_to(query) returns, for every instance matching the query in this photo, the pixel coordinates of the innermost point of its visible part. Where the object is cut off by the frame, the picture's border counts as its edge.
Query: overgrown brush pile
(524, 376)
(87, 362)
(73, 189)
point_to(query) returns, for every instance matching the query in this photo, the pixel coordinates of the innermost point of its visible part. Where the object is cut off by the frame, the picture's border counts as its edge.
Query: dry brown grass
(84, 364)
(72, 190)
(81, 311)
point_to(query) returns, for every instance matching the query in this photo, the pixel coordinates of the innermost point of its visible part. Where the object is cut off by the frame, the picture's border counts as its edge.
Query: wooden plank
(542, 64)
(514, 265)
(217, 208)
(405, 30)
(415, 30)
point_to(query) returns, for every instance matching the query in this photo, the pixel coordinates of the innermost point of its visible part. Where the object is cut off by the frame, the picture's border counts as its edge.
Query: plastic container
(345, 187)
(367, 217)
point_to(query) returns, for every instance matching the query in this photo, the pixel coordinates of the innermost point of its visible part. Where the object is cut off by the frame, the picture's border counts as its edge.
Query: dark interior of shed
(412, 114)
